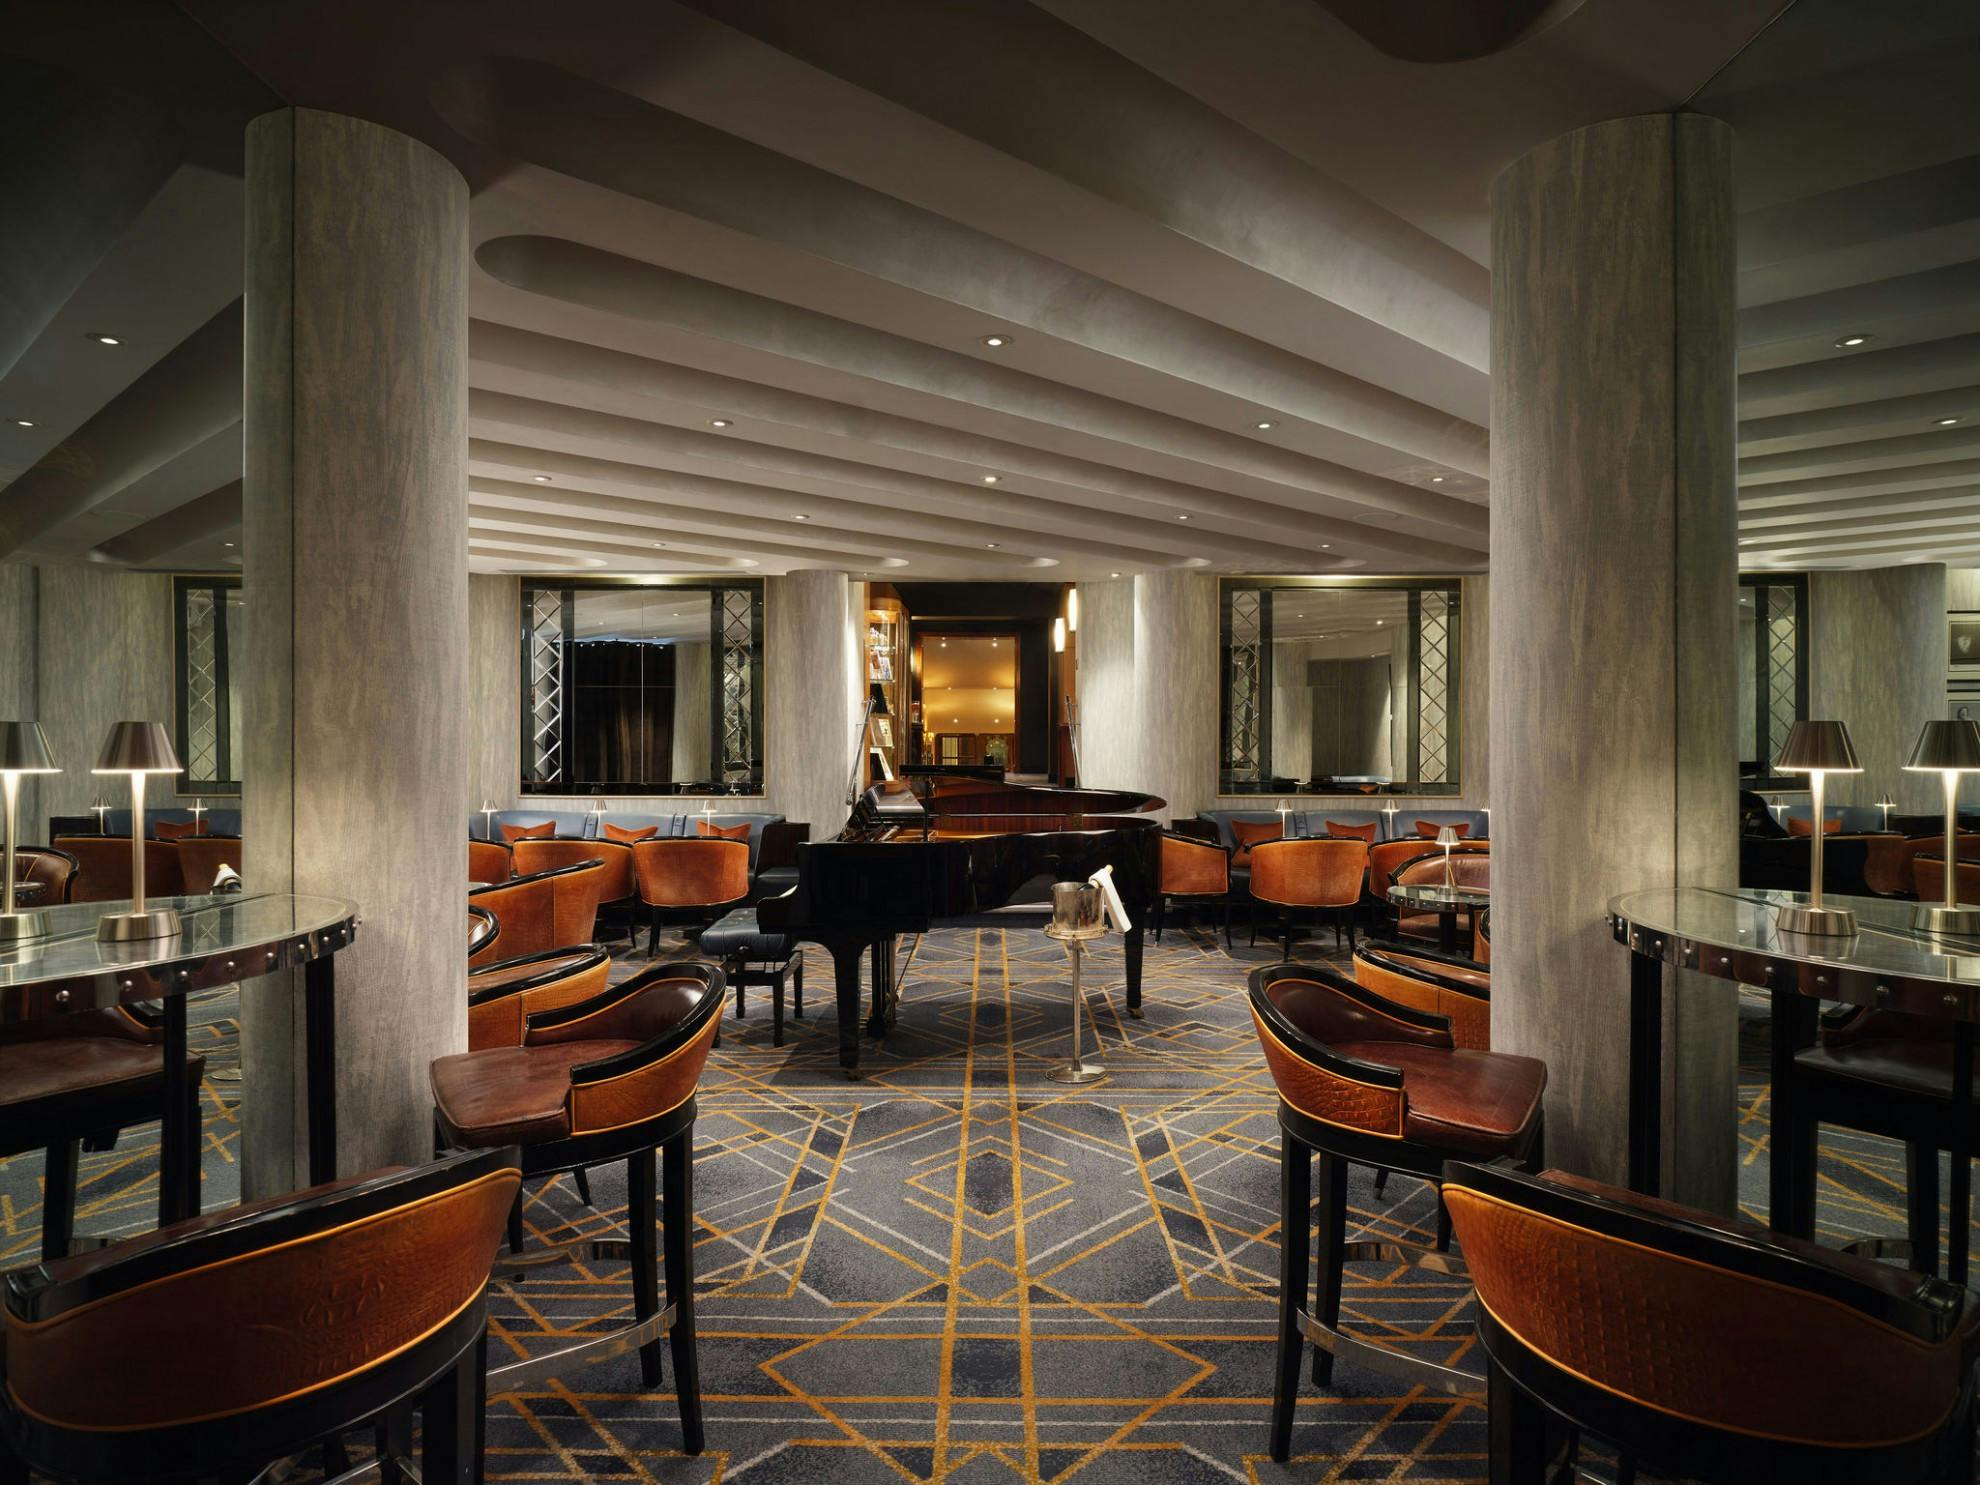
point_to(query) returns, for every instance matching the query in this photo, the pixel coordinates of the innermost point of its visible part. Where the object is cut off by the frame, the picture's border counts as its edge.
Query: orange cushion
(1359, 832)
(1248, 835)
(1798, 826)
(166, 830)
(619, 832)
(724, 832)
(1428, 829)
(514, 833)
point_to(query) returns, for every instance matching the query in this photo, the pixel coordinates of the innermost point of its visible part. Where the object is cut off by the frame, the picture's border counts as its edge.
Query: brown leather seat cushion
(54, 1066)
(1476, 1103)
(512, 1095)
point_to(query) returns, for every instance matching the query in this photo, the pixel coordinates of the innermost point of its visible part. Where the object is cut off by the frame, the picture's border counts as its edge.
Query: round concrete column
(1174, 701)
(814, 685)
(355, 563)
(1612, 615)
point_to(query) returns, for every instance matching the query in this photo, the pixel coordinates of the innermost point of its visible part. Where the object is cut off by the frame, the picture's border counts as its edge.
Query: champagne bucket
(1077, 910)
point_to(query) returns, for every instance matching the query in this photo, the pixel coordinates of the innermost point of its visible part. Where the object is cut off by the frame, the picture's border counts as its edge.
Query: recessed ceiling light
(996, 342)
(990, 479)
(1326, 546)
(104, 339)
(1942, 422)
(1113, 574)
(1851, 342)
(800, 518)
(991, 544)
(1378, 625)
(1264, 425)
(718, 422)
(24, 422)
(226, 543)
(1182, 518)
(541, 479)
(1744, 540)
(1436, 479)
(659, 543)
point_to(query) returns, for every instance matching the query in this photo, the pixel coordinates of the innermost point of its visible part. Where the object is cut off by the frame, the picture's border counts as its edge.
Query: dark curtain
(620, 731)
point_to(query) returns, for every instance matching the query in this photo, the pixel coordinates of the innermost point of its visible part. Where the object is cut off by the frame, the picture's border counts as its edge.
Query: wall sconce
(1817, 749)
(1072, 609)
(1948, 749)
(22, 750)
(1058, 636)
(138, 749)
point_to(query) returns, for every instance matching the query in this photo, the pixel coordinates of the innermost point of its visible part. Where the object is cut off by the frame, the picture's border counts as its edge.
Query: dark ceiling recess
(1448, 30)
(983, 600)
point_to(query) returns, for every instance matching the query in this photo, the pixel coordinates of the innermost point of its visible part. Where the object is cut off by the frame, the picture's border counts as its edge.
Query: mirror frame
(1762, 777)
(184, 585)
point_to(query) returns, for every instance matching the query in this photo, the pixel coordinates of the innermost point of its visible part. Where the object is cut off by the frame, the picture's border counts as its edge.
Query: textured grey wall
(691, 749)
(811, 639)
(1611, 632)
(1877, 662)
(105, 656)
(1107, 724)
(354, 505)
(1175, 688)
(494, 688)
(1962, 589)
(19, 661)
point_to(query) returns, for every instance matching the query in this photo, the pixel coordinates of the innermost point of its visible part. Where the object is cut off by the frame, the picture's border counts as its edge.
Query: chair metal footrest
(519, 1376)
(595, 1250)
(1393, 1363)
(1392, 1250)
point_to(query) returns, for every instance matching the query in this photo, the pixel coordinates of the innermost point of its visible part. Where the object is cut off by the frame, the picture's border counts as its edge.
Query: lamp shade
(876, 696)
(1946, 747)
(138, 747)
(1818, 747)
(1447, 836)
(24, 750)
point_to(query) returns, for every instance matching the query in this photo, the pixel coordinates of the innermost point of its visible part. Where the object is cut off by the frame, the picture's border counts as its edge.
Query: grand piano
(944, 850)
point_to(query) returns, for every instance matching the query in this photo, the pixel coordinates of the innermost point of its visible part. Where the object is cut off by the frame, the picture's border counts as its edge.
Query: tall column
(814, 682)
(1175, 689)
(355, 578)
(1107, 722)
(1612, 615)
(494, 689)
(20, 691)
(1877, 661)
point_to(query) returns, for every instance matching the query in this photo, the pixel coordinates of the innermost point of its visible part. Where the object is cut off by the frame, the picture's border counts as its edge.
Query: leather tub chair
(503, 993)
(610, 1078)
(1903, 867)
(1363, 1080)
(1928, 878)
(1385, 857)
(483, 928)
(53, 870)
(615, 880)
(1196, 873)
(1426, 979)
(1468, 869)
(490, 861)
(103, 867)
(69, 1082)
(202, 856)
(1704, 1348)
(551, 909)
(211, 1349)
(1481, 939)
(691, 880)
(1308, 875)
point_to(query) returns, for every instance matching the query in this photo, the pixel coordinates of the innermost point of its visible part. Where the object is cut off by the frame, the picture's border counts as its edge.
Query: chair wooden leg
(1332, 1222)
(1517, 1426)
(1381, 1179)
(1295, 1241)
(1443, 1223)
(777, 1006)
(1921, 1206)
(677, 1203)
(797, 983)
(583, 1180)
(1227, 923)
(516, 1223)
(735, 971)
(393, 1440)
(642, 1219)
(196, 1131)
(58, 1200)
(1161, 912)
(451, 1426)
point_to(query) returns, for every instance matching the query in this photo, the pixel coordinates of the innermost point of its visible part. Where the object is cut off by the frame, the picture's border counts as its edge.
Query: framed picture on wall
(1963, 638)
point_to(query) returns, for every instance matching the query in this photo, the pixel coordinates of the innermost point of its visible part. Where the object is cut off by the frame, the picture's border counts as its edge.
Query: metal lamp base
(1947, 919)
(1823, 922)
(124, 928)
(1076, 1072)
(17, 926)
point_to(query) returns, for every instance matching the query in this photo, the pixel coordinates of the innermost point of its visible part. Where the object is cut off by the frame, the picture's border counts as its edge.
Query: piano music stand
(1078, 1070)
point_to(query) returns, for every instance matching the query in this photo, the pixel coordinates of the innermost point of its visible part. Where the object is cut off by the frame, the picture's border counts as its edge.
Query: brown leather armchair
(1467, 869)
(483, 928)
(79, 1080)
(502, 994)
(1425, 979)
(103, 867)
(1364, 1080)
(1193, 872)
(613, 1077)
(202, 856)
(551, 909)
(1705, 1348)
(53, 869)
(1384, 858)
(489, 861)
(1928, 877)
(693, 879)
(261, 1331)
(1313, 874)
(615, 881)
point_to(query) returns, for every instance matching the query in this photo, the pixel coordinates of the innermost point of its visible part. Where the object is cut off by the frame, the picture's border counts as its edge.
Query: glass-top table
(1445, 902)
(1729, 935)
(225, 939)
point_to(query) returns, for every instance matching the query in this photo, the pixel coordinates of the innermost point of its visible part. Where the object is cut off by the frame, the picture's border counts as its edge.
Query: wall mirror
(1340, 685)
(1773, 673)
(207, 652)
(648, 688)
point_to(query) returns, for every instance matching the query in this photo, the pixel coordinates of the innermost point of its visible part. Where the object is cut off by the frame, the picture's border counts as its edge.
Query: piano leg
(1131, 952)
(847, 981)
(882, 1019)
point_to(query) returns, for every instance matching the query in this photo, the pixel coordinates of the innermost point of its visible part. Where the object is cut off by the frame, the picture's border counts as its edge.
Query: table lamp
(1284, 809)
(1886, 804)
(1447, 837)
(22, 750)
(102, 813)
(1389, 825)
(1817, 749)
(138, 749)
(487, 819)
(198, 809)
(1948, 749)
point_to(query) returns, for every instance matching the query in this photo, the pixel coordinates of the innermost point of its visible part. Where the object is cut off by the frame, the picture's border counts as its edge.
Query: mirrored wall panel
(1773, 672)
(1340, 686)
(207, 655)
(642, 689)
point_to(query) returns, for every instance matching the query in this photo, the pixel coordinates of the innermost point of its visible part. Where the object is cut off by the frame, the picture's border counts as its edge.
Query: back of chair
(691, 873)
(1447, 985)
(1928, 875)
(271, 1302)
(1194, 868)
(483, 928)
(202, 856)
(615, 880)
(672, 1011)
(103, 867)
(526, 910)
(490, 861)
(1309, 873)
(54, 869)
(1467, 869)
(1704, 1321)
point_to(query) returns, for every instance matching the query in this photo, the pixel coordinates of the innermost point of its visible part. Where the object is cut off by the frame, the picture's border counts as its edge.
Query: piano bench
(739, 942)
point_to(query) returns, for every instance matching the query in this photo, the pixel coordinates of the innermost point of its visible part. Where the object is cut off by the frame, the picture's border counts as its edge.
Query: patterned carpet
(957, 1270)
